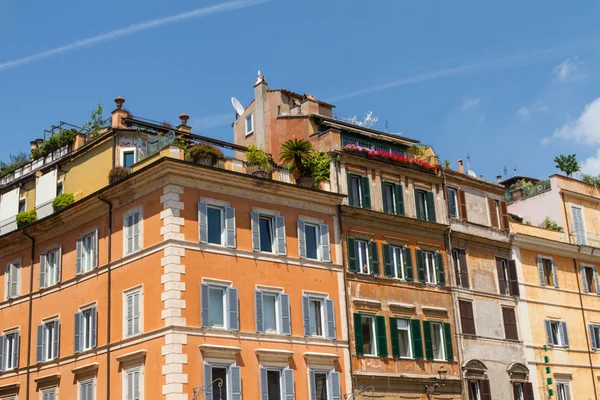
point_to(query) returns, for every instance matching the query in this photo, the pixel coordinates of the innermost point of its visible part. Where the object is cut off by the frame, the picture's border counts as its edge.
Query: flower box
(388, 157)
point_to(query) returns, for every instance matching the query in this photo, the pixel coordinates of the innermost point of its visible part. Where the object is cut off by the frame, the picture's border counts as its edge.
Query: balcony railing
(33, 166)
(525, 192)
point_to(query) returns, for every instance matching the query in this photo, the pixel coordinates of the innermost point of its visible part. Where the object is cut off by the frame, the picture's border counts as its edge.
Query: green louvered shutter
(417, 339)
(420, 266)
(430, 207)
(428, 341)
(380, 330)
(418, 205)
(386, 205)
(387, 260)
(351, 254)
(439, 266)
(399, 197)
(350, 194)
(358, 338)
(365, 192)
(374, 257)
(394, 337)
(448, 342)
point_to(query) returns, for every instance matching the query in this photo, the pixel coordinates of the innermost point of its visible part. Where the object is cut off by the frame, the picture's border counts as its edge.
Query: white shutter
(203, 222)
(325, 246)
(129, 315)
(230, 227)
(301, 239)
(280, 234)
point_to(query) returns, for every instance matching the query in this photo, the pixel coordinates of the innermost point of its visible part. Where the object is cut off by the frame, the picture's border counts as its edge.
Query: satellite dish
(472, 173)
(239, 109)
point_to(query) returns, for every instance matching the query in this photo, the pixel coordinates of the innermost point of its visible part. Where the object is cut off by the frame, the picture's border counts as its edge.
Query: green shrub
(257, 156)
(26, 217)
(117, 173)
(54, 143)
(202, 149)
(318, 163)
(62, 201)
(549, 223)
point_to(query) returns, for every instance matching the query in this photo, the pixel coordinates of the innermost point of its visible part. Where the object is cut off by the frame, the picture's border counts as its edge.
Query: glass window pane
(452, 202)
(355, 190)
(367, 328)
(389, 195)
(128, 159)
(362, 258)
(273, 384)
(397, 262)
(214, 225)
(266, 234)
(430, 267)
(404, 338)
(315, 318)
(312, 241)
(219, 393)
(321, 386)
(437, 341)
(269, 313)
(215, 313)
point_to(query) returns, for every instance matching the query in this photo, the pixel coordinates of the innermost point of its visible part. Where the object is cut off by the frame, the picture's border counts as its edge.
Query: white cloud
(566, 69)
(591, 165)
(469, 103)
(585, 129)
(527, 111)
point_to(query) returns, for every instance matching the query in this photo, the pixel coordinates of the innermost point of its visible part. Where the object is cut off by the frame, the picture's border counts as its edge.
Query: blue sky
(512, 84)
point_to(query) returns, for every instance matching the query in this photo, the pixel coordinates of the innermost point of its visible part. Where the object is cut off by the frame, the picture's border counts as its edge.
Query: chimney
(499, 178)
(79, 141)
(118, 114)
(34, 144)
(309, 105)
(260, 111)
(461, 169)
(184, 126)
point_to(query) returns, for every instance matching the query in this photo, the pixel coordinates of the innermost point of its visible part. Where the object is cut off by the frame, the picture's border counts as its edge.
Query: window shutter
(358, 337)
(386, 206)
(208, 390)
(504, 215)
(313, 385)
(510, 324)
(204, 305)
(350, 194)
(382, 350)
(540, 265)
(584, 284)
(325, 244)
(236, 382)
(462, 205)
(258, 310)
(592, 337)
(464, 271)
(255, 231)
(129, 384)
(288, 384)
(418, 209)
(394, 337)
(15, 355)
(39, 348)
(448, 342)
(334, 380)
(528, 391)
(439, 267)
(365, 187)
(548, 326)
(486, 393)
(230, 227)
(95, 249)
(408, 265)
(136, 231)
(596, 283)
(467, 321)
(351, 250)
(2, 352)
(554, 274)
(502, 284)
(79, 250)
(330, 319)
(565, 334)
(420, 266)
(428, 341)
(264, 384)
(42, 270)
(232, 309)
(93, 330)
(280, 233)
(430, 207)
(493, 212)
(58, 266)
(129, 318)
(387, 260)
(399, 198)
(137, 306)
(417, 339)
(16, 281)
(301, 239)
(374, 258)
(306, 314)
(284, 303)
(512, 275)
(56, 339)
(77, 325)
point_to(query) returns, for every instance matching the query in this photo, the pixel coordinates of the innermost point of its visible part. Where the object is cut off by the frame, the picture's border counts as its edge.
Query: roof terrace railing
(35, 165)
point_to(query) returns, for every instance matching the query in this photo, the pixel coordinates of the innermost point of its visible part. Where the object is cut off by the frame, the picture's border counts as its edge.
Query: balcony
(528, 190)
(35, 165)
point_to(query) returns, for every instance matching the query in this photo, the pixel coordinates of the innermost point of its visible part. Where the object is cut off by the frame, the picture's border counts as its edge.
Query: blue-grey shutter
(334, 381)
(94, 332)
(58, 268)
(233, 309)
(313, 385)
(56, 338)
(301, 239)
(208, 391)
(230, 227)
(565, 334)
(77, 340)
(2, 352)
(236, 382)
(540, 265)
(264, 384)
(16, 350)
(284, 303)
(592, 337)
(306, 314)
(95, 249)
(258, 309)
(325, 243)
(584, 283)
(202, 222)
(548, 326)
(204, 305)
(42, 270)
(330, 319)
(288, 384)
(39, 348)
(554, 273)
(596, 283)
(78, 251)
(129, 315)
(255, 231)
(280, 234)
(83, 392)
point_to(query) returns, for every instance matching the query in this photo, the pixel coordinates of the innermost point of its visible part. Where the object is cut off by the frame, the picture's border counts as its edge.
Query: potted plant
(296, 152)
(258, 162)
(205, 154)
(25, 218)
(62, 201)
(117, 173)
(318, 163)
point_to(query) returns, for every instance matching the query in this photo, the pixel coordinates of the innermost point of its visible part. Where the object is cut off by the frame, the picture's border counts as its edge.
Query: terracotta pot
(305, 181)
(206, 159)
(257, 170)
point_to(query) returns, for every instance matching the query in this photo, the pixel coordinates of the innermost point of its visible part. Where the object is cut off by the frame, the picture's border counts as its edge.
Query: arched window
(519, 377)
(475, 373)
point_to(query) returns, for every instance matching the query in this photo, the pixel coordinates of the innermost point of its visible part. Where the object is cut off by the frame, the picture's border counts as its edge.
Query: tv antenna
(367, 122)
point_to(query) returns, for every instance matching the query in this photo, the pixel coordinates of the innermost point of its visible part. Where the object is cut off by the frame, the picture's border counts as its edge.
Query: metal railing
(34, 165)
(529, 191)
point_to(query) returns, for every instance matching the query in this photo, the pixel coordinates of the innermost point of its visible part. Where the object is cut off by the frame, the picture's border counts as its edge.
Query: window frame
(50, 343)
(223, 233)
(397, 262)
(581, 208)
(559, 333)
(48, 391)
(93, 258)
(359, 192)
(595, 331)
(433, 325)
(567, 387)
(410, 340)
(22, 199)
(132, 369)
(328, 384)
(427, 253)
(57, 266)
(359, 264)
(15, 334)
(9, 283)
(92, 382)
(318, 249)
(276, 295)
(373, 331)
(126, 294)
(60, 184)
(456, 206)
(590, 281)
(422, 193)
(126, 215)
(249, 117)
(223, 289)
(477, 395)
(123, 151)
(86, 331)
(322, 326)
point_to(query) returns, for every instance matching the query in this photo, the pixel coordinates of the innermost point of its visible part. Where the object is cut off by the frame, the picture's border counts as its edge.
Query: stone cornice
(542, 245)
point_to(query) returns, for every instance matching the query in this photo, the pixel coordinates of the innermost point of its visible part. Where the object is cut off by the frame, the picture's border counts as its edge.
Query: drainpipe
(28, 373)
(109, 288)
(562, 196)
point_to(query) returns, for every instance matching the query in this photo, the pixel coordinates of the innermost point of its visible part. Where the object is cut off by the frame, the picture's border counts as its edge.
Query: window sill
(132, 253)
(249, 133)
(132, 335)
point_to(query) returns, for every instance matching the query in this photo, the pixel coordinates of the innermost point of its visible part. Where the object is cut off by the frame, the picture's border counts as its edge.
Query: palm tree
(294, 151)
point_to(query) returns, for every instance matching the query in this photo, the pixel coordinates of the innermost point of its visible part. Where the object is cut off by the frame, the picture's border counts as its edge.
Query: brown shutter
(528, 391)
(504, 215)
(502, 283)
(486, 393)
(516, 391)
(512, 276)
(462, 205)
(510, 323)
(467, 321)
(493, 213)
(464, 272)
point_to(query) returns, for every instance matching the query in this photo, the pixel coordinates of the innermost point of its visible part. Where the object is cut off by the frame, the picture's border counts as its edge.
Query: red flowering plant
(390, 157)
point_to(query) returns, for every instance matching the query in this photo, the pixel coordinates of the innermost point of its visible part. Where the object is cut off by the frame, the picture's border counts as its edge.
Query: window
(467, 320)
(86, 390)
(510, 323)
(268, 233)
(216, 224)
(508, 283)
(547, 272)
(474, 390)
(403, 326)
(23, 205)
(48, 339)
(578, 225)
(219, 307)
(438, 341)
(12, 278)
(523, 390)
(595, 336)
(452, 203)
(498, 214)
(272, 312)
(132, 310)
(59, 188)
(563, 391)
(231, 377)
(370, 335)
(460, 264)
(556, 333)
(85, 329)
(397, 262)
(127, 157)
(589, 279)
(133, 222)
(393, 198)
(249, 124)
(133, 384)
(50, 265)
(425, 205)
(276, 383)
(87, 254)
(324, 385)
(319, 317)
(430, 267)
(49, 394)
(367, 328)
(363, 256)
(359, 193)
(313, 241)
(479, 390)
(9, 351)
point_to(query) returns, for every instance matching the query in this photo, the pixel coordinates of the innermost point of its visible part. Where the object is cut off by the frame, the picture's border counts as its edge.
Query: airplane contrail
(130, 30)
